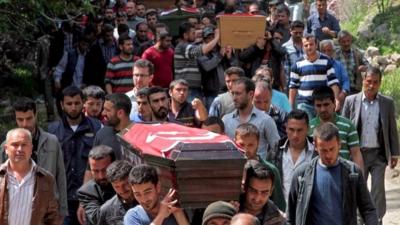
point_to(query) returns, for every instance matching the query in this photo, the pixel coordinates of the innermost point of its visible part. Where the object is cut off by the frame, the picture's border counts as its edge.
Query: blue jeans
(309, 109)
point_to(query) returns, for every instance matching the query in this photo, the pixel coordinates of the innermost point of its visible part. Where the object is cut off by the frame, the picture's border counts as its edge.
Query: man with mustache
(76, 133)
(98, 190)
(159, 103)
(374, 116)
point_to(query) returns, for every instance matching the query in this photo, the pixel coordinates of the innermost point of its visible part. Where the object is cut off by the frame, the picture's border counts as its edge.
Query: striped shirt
(307, 76)
(347, 132)
(119, 74)
(20, 195)
(185, 63)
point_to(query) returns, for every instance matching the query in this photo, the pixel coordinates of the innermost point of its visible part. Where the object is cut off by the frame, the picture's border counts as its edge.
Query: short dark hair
(151, 12)
(372, 70)
(106, 28)
(118, 170)
(120, 101)
(123, 37)
(298, 114)
(140, 24)
(247, 129)
(143, 173)
(256, 169)
(184, 28)
(248, 84)
(211, 120)
(323, 93)
(94, 92)
(296, 24)
(326, 132)
(344, 33)
(309, 36)
(282, 8)
(24, 104)
(71, 91)
(162, 35)
(144, 63)
(142, 92)
(154, 90)
(234, 70)
(101, 152)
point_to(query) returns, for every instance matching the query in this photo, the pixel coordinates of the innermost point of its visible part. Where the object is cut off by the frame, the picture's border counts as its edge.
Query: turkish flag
(160, 138)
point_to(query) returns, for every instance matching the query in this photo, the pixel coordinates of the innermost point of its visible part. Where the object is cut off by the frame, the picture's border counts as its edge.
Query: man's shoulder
(110, 203)
(89, 187)
(138, 213)
(48, 136)
(105, 131)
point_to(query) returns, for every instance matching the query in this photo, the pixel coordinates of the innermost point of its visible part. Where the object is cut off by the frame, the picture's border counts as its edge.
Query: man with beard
(243, 92)
(112, 211)
(190, 114)
(159, 103)
(116, 111)
(162, 57)
(152, 210)
(141, 42)
(98, 190)
(119, 69)
(75, 132)
(46, 150)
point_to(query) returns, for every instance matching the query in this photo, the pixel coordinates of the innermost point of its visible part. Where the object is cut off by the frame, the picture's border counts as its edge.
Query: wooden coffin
(201, 172)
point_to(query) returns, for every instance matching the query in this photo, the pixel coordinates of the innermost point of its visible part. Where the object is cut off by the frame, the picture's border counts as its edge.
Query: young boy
(247, 138)
(93, 101)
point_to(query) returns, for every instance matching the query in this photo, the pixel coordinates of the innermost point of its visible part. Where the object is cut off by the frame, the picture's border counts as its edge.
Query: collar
(254, 112)
(8, 169)
(309, 145)
(364, 98)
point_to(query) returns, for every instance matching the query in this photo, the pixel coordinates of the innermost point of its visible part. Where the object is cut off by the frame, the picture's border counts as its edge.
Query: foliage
(390, 86)
(383, 5)
(22, 16)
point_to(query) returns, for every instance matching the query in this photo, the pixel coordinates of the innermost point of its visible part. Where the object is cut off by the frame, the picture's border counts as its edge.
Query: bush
(390, 86)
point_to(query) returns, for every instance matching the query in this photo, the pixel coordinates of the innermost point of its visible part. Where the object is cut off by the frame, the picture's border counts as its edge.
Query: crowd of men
(306, 113)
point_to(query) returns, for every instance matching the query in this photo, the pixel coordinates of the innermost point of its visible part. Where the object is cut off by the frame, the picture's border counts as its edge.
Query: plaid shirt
(351, 60)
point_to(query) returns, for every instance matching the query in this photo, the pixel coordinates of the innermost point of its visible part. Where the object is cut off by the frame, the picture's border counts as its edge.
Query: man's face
(123, 189)
(142, 31)
(144, 109)
(109, 14)
(147, 194)
(110, 114)
(257, 194)
(219, 221)
(141, 77)
(327, 50)
(249, 143)
(127, 47)
(179, 93)
(309, 46)
(241, 98)
(26, 120)
(230, 79)
(262, 99)
(296, 131)
(345, 42)
(325, 109)
(283, 18)
(371, 85)
(19, 148)
(98, 168)
(130, 8)
(166, 43)
(253, 9)
(159, 105)
(72, 106)
(321, 7)
(140, 10)
(191, 35)
(297, 33)
(151, 20)
(121, 20)
(108, 37)
(93, 106)
(328, 151)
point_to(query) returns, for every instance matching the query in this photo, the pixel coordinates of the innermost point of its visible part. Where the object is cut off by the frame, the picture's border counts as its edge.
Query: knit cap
(219, 209)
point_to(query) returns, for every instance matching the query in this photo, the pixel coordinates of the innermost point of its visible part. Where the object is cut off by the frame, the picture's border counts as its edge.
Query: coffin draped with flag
(203, 166)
